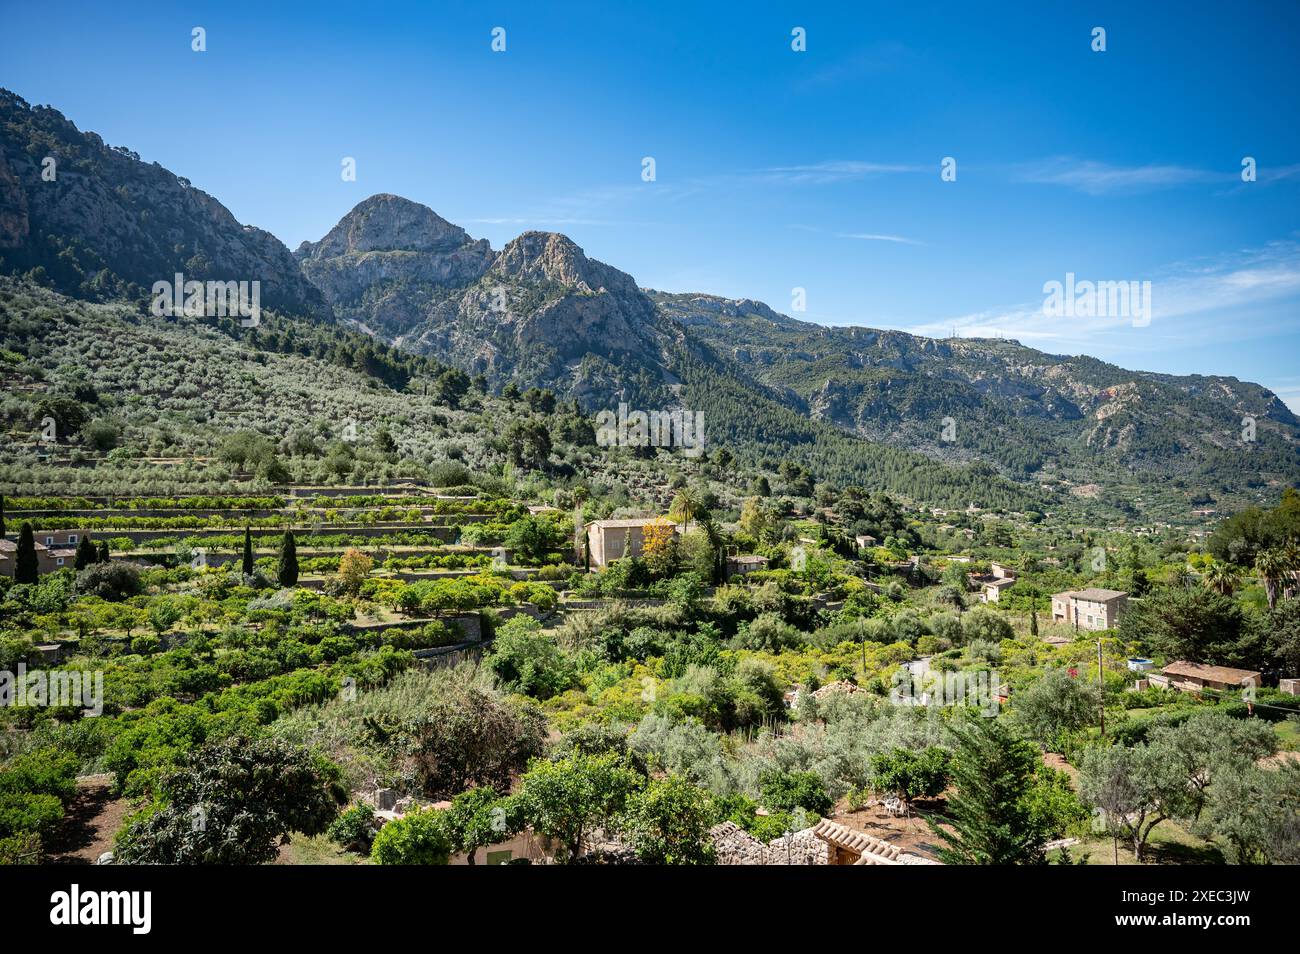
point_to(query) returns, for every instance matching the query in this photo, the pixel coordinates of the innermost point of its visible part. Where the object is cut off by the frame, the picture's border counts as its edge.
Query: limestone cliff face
(538, 312)
(110, 224)
(14, 225)
(388, 261)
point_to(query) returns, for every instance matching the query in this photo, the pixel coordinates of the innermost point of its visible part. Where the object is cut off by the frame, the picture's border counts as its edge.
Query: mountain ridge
(584, 328)
(109, 225)
(542, 313)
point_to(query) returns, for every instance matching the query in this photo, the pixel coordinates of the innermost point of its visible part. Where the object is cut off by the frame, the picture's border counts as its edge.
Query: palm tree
(1291, 554)
(1222, 578)
(1271, 565)
(684, 507)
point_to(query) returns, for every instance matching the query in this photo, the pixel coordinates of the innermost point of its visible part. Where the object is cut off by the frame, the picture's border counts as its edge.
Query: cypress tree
(288, 560)
(991, 820)
(2, 516)
(248, 552)
(26, 568)
(103, 551)
(86, 554)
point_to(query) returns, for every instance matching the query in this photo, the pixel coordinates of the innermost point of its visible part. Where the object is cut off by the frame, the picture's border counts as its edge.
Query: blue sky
(775, 169)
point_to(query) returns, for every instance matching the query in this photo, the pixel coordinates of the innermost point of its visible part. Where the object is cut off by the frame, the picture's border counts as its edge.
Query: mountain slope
(1031, 413)
(110, 225)
(151, 402)
(539, 311)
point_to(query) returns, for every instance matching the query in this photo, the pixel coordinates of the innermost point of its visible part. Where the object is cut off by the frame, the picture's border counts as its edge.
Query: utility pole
(862, 631)
(1101, 695)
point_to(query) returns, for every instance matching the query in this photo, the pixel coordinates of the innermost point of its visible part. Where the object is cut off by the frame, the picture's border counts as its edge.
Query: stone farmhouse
(1093, 609)
(609, 540)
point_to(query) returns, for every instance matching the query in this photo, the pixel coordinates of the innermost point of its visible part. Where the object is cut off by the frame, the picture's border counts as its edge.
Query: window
(49, 541)
(60, 561)
(72, 538)
(499, 857)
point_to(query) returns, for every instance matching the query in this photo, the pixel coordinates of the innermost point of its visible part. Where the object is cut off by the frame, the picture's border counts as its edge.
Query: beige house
(525, 846)
(1094, 609)
(992, 584)
(745, 563)
(48, 559)
(60, 539)
(609, 540)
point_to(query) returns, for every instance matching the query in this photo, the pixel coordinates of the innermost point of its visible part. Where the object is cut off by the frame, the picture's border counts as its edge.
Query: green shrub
(22, 849)
(417, 838)
(43, 772)
(354, 829)
(790, 790)
(23, 812)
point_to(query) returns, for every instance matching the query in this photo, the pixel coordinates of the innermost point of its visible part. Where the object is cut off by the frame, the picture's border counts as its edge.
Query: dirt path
(89, 824)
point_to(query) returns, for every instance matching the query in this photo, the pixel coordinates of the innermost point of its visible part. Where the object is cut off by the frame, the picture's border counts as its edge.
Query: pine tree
(104, 556)
(248, 552)
(86, 554)
(992, 822)
(288, 560)
(26, 567)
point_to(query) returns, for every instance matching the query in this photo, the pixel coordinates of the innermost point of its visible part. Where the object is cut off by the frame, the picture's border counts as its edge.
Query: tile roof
(871, 850)
(1092, 594)
(1214, 673)
(637, 522)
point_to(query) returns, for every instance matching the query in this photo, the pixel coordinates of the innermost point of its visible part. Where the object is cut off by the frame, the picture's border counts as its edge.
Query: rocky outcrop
(539, 312)
(14, 226)
(109, 224)
(390, 261)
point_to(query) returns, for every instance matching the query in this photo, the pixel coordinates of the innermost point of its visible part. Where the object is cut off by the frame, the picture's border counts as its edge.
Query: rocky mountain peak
(387, 223)
(557, 258)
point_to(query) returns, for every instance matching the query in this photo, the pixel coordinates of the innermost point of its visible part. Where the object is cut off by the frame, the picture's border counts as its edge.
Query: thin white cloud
(859, 236)
(1279, 173)
(831, 171)
(1101, 178)
(868, 237)
(1189, 301)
